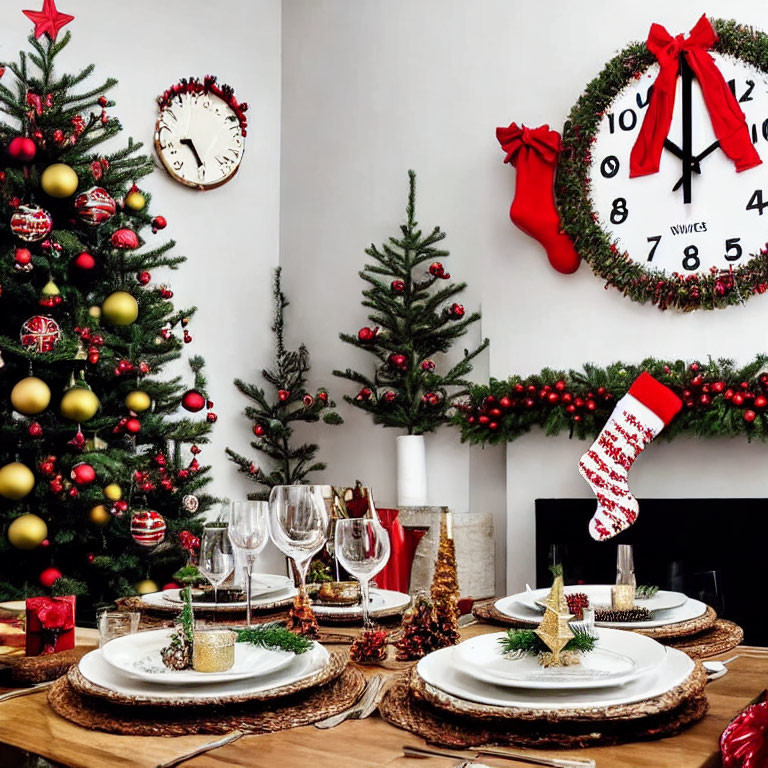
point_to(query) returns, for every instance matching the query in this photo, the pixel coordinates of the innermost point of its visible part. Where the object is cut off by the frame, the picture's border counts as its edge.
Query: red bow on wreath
(541, 140)
(725, 113)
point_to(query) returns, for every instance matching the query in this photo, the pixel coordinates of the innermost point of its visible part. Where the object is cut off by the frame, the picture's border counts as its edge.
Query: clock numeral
(733, 250)
(627, 120)
(643, 102)
(691, 259)
(763, 130)
(747, 95)
(656, 239)
(610, 166)
(756, 202)
(619, 211)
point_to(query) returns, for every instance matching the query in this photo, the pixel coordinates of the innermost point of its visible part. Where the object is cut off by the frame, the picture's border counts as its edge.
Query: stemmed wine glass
(298, 525)
(216, 560)
(362, 546)
(248, 532)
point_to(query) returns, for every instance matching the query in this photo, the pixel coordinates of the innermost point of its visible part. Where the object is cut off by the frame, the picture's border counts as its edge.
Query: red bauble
(193, 401)
(704, 400)
(456, 311)
(427, 365)
(505, 402)
(143, 278)
(436, 269)
(159, 222)
(519, 388)
(718, 386)
(49, 576)
(560, 387)
(170, 585)
(367, 334)
(744, 743)
(22, 257)
(35, 430)
(744, 385)
(283, 395)
(22, 149)
(694, 366)
(83, 474)
(258, 430)
(148, 528)
(363, 394)
(211, 417)
(591, 405)
(125, 239)
(749, 416)
(697, 381)
(95, 206)
(133, 425)
(40, 333)
(396, 360)
(84, 261)
(738, 399)
(397, 286)
(760, 402)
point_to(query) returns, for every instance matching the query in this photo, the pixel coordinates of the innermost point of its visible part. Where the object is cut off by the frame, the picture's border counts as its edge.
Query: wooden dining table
(28, 723)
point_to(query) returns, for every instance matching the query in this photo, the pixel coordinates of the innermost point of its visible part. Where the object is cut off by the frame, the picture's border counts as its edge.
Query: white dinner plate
(173, 596)
(442, 670)
(94, 668)
(138, 655)
(512, 607)
(617, 658)
(381, 600)
(600, 594)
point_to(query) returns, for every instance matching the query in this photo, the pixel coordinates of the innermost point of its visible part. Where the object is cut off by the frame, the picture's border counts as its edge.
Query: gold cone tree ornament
(555, 631)
(445, 581)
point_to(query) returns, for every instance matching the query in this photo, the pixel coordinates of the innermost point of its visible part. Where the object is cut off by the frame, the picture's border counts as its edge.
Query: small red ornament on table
(301, 618)
(370, 646)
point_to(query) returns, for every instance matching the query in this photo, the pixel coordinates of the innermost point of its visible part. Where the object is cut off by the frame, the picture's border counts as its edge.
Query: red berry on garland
(193, 401)
(519, 388)
(694, 367)
(570, 408)
(367, 334)
(143, 278)
(398, 361)
(483, 419)
(436, 269)
(84, 261)
(389, 396)
(165, 293)
(591, 405)
(124, 239)
(553, 398)
(91, 557)
(35, 430)
(697, 381)
(718, 386)
(195, 450)
(73, 492)
(322, 396)
(456, 311)
(308, 400)
(363, 394)
(22, 149)
(133, 426)
(560, 387)
(45, 543)
(182, 474)
(159, 222)
(283, 395)
(49, 576)
(493, 426)
(728, 395)
(48, 466)
(744, 385)
(83, 474)
(211, 417)
(749, 416)
(704, 400)
(22, 256)
(505, 402)
(397, 286)
(760, 401)
(258, 430)
(428, 365)
(738, 399)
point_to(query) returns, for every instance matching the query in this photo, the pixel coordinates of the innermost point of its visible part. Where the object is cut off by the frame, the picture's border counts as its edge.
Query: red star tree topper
(48, 21)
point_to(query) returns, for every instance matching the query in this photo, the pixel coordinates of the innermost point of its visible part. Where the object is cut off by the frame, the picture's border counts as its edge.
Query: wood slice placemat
(721, 637)
(254, 717)
(28, 670)
(403, 710)
(335, 666)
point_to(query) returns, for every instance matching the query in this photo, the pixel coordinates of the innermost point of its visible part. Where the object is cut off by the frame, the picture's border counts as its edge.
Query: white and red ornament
(31, 223)
(40, 333)
(148, 528)
(190, 503)
(95, 206)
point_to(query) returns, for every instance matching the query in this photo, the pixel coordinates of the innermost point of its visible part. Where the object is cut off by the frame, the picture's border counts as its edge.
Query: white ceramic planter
(411, 471)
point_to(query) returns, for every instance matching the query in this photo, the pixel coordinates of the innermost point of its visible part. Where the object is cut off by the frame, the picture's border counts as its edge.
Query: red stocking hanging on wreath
(534, 153)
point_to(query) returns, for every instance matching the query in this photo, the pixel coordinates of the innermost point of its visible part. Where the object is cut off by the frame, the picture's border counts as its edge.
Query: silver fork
(210, 746)
(364, 707)
(26, 691)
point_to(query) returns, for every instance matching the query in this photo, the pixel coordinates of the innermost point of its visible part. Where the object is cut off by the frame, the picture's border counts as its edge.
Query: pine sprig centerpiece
(414, 318)
(527, 641)
(273, 415)
(275, 637)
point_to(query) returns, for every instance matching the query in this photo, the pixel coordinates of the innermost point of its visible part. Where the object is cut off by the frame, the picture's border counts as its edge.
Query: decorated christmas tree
(96, 479)
(284, 401)
(414, 318)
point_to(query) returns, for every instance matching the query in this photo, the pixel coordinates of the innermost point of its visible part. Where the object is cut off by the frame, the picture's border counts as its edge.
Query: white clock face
(726, 221)
(199, 139)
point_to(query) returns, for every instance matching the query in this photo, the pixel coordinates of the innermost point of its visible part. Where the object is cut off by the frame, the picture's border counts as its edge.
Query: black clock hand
(695, 167)
(191, 145)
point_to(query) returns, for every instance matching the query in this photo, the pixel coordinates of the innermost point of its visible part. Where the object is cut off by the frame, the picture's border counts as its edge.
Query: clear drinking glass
(362, 546)
(217, 558)
(298, 524)
(248, 532)
(625, 565)
(114, 624)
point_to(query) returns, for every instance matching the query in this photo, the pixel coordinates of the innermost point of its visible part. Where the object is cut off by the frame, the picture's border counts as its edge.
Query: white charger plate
(381, 601)
(95, 669)
(173, 596)
(600, 594)
(441, 669)
(512, 607)
(617, 658)
(138, 655)
(262, 585)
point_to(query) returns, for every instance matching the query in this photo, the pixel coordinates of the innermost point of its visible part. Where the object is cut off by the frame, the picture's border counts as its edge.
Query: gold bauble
(59, 180)
(146, 587)
(94, 312)
(135, 201)
(79, 404)
(120, 308)
(27, 532)
(138, 401)
(16, 481)
(30, 396)
(99, 515)
(113, 492)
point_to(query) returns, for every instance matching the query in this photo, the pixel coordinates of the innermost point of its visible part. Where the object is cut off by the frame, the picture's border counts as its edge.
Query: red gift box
(50, 625)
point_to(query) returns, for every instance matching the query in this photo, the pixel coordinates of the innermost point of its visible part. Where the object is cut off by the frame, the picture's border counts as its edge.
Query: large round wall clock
(692, 234)
(200, 132)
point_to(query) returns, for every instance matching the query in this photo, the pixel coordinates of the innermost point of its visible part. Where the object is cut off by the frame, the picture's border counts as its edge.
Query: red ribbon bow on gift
(53, 614)
(725, 113)
(541, 140)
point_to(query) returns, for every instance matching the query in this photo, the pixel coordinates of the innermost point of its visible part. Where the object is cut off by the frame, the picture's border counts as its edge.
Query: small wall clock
(692, 235)
(200, 132)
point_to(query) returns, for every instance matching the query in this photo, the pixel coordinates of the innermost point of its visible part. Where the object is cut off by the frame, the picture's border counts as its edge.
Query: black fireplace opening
(714, 550)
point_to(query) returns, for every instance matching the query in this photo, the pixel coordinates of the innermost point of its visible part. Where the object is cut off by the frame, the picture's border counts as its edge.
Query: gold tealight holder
(622, 597)
(213, 650)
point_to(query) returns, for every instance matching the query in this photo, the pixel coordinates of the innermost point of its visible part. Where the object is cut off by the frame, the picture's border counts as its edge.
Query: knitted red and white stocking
(534, 152)
(637, 418)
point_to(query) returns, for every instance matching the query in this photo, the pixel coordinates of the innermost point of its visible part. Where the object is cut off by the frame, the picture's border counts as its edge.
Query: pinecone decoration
(418, 624)
(178, 654)
(301, 617)
(369, 646)
(577, 602)
(631, 614)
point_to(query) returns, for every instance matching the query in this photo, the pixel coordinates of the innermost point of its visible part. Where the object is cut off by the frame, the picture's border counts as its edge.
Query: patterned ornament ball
(95, 206)
(99, 515)
(27, 532)
(125, 239)
(30, 396)
(120, 308)
(79, 404)
(148, 528)
(31, 223)
(135, 200)
(59, 180)
(146, 587)
(40, 333)
(193, 401)
(16, 482)
(22, 149)
(49, 576)
(138, 401)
